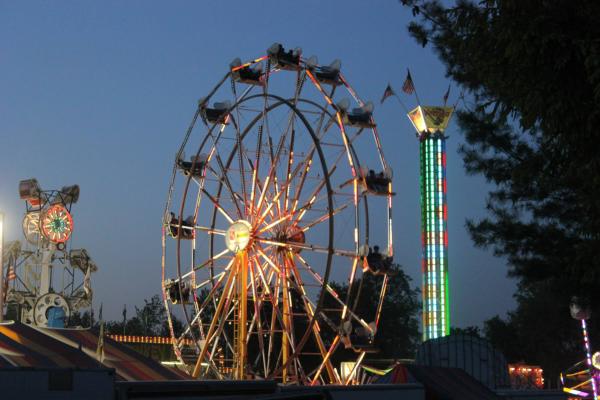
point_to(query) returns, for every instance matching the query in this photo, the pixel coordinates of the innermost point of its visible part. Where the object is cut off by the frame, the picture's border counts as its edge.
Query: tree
(78, 318)
(149, 320)
(532, 69)
(468, 330)
(539, 331)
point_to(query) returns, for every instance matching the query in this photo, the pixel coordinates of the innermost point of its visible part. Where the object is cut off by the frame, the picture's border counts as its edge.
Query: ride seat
(187, 228)
(176, 293)
(216, 115)
(289, 60)
(250, 74)
(359, 338)
(377, 183)
(360, 117)
(191, 167)
(376, 262)
(326, 74)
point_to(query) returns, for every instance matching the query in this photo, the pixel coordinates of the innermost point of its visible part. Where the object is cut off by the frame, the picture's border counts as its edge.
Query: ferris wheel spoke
(323, 113)
(257, 311)
(301, 76)
(288, 178)
(309, 155)
(220, 332)
(333, 293)
(225, 298)
(218, 206)
(332, 169)
(384, 286)
(224, 178)
(183, 338)
(264, 198)
(216, 339)
(268, 260)
(323, 217)
(273, 176)
(212, 260)
(275, 156)
(255, 168)
(209, 231)
(288, 325)
(238, 135)
(263, 193)
(332, 348)
(240, 151)
(267, 288)
(306, 246)
(268, 209)
(310, 308)
(211, 294)
(276, 315)
(208, 281)
(313, 198)
(274, 223)
(357, 365)
(307, 162)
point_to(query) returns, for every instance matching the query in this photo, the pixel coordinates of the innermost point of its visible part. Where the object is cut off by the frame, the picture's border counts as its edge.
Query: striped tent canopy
(22, 346)
(440, 383)
(26, 346)
(396, 375)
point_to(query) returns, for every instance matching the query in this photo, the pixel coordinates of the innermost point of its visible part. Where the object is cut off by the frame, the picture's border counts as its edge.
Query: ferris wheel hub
(238, 236)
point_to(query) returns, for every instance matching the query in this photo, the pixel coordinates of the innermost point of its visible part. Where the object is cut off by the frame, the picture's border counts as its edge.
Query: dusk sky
(100, 94)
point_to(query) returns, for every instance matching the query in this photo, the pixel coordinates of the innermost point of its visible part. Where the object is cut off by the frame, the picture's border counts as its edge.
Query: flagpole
(461, 97)
(401, 103)
(414, 87)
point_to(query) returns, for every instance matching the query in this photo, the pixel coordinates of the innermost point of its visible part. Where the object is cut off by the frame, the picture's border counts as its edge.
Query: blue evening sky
(100, 93)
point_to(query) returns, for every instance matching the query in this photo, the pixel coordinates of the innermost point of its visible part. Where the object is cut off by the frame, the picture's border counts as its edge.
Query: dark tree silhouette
(532, 70)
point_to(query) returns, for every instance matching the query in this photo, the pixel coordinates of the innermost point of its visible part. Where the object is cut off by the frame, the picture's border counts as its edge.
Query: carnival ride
(46, 280)
(285, 192)
(581, 379)
(430, 124)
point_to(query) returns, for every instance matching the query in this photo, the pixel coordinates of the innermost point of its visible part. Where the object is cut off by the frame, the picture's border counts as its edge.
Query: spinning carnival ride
(46, 280)
(581, 379)
(285, 190)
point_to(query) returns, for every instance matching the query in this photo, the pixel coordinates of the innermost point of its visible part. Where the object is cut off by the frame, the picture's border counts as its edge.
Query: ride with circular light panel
(47, 280)
(285, 191)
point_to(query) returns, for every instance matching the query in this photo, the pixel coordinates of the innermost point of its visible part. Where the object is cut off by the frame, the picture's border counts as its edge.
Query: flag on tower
(408, 87)
(388, 92)
(446, 96)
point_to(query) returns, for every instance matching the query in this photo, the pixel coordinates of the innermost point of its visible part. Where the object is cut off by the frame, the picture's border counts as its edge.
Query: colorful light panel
(434, 236)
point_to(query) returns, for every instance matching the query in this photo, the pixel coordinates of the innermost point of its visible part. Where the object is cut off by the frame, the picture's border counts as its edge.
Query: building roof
(27, 346)
(440, 383)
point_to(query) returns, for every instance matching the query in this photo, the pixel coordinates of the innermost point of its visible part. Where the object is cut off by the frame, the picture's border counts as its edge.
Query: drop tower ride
(430, 124)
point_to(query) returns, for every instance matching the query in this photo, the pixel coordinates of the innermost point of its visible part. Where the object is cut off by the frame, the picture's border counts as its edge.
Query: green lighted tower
(430, 123)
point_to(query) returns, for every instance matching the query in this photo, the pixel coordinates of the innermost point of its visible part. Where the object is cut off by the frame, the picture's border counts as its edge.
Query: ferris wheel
(276, 221)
